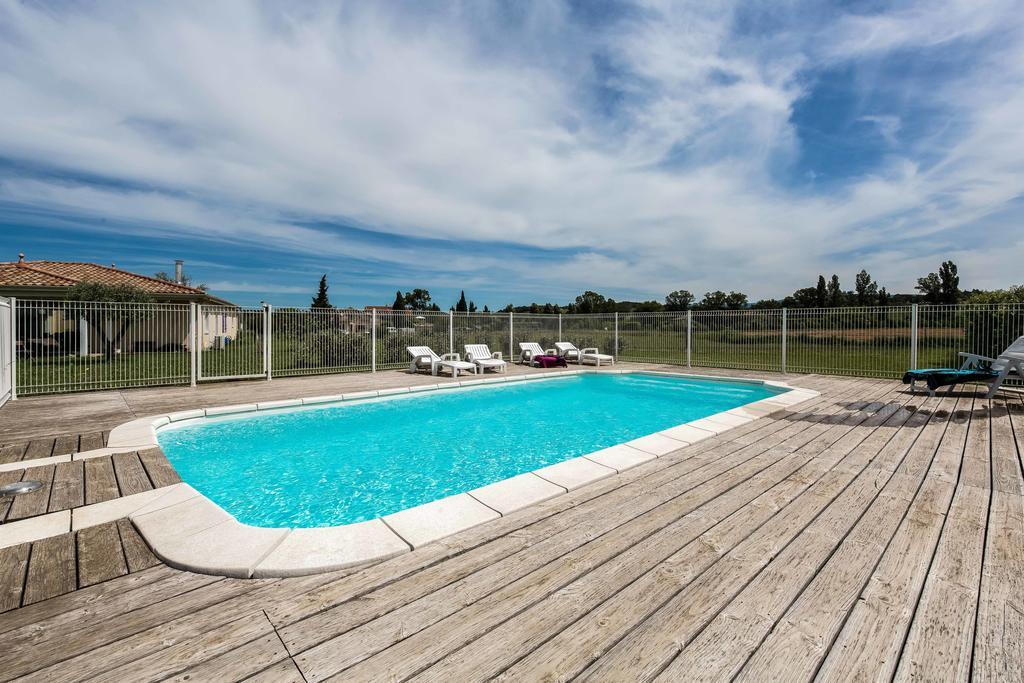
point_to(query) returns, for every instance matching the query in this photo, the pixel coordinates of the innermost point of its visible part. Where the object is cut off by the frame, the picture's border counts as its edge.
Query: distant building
(58, 328)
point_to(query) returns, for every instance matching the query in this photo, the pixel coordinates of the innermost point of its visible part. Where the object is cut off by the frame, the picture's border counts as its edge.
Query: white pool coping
(189, 531)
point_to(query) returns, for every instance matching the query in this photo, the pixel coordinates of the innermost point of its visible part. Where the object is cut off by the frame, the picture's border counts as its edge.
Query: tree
(942, 287)
(821, 293)
(866, 288)
(804, 298)
(713, 300)
(949, 282)
(417, 300)
(486, 310)
(1013, 295)
(931, 287)
(472, 307)
(735, 301)
(835, 292)
(883, 297)
(462, 307)
(399, 304)
(679, 300)
(321, 300)
(112, 323)
(590, 302)
(186, 280)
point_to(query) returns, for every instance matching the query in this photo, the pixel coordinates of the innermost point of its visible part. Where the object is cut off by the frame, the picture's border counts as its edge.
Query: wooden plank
(93, 653)
(136, 552)
(68, 486)
(999, 636)
(51, 568)
(160, 471)
(39, 448)
(131, 476)
(8, 477)
(64, 445)
(12, 453)
(62, 617)
(36, 502)
(799, 635)
(652, 644)
(869, 643)
(239, 663)
(91, 441)
(941, 637)
(100, 557)
(284, 671)
(13, 563)
(100, 483)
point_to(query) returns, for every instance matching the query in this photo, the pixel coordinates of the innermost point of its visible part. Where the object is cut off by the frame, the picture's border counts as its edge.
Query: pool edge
(259, 552)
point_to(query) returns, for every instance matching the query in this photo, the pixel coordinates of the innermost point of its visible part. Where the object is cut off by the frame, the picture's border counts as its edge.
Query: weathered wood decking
(868, 534)
(69, 485)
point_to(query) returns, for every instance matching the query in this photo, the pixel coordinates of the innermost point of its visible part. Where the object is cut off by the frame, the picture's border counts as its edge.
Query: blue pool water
(351, 462)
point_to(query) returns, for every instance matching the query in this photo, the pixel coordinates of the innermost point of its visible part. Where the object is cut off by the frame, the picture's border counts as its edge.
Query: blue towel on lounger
(943, 377)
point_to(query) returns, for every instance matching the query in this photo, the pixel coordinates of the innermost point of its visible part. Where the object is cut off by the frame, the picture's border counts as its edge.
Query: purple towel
(550, 361)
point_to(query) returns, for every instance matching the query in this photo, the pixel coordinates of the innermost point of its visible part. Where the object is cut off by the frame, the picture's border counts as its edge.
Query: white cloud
(232, 121)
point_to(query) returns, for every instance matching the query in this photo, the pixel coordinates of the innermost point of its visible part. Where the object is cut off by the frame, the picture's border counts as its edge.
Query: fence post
(689, 329)
(913, 336)
(373, 340)
(616, 352)
(14, 348)
(511, 338)
(783, 340)
(192, 341)
(559, 327)
(267, 348)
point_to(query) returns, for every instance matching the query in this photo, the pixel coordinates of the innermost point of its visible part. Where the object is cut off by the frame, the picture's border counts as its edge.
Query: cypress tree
(321, 300)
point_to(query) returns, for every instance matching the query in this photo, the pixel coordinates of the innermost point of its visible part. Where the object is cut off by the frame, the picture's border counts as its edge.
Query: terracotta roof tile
(67, 273)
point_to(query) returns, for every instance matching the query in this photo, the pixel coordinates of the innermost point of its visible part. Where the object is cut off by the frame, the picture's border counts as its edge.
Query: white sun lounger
(424, 357)
(569, 352)
(527, 351)
(484, 359)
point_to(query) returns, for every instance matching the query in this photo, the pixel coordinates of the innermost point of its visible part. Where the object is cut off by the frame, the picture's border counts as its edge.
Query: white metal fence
(6, 351)
(60, 346)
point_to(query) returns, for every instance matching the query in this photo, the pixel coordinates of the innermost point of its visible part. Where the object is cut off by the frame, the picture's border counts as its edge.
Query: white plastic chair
(484, 359)
(570, 353)
(424, 356)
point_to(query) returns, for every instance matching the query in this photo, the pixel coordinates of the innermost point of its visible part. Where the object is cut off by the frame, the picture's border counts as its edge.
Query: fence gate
(6, 351)
(232, 343)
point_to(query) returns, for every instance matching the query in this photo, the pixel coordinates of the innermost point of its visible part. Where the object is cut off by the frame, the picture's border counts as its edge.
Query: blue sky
(519, 151)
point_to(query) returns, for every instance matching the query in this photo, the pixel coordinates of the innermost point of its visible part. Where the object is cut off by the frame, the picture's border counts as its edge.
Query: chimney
(179, 268)
(21, 257)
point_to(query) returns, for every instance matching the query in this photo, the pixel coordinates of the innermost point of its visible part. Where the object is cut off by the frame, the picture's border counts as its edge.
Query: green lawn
(297, 355)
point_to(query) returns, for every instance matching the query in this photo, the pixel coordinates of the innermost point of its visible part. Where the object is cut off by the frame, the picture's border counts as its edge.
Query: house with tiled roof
(49, 325)
(51, 280)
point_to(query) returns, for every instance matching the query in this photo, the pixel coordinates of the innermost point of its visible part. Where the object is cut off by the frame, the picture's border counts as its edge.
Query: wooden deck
(868, 534)
(68, 485)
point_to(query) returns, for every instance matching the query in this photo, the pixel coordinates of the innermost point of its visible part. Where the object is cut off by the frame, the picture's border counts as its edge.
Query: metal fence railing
(72, 346)
(60, 346)
(6, 351)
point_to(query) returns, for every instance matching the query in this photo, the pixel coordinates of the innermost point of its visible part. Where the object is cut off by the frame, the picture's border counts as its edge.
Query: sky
(521, 151)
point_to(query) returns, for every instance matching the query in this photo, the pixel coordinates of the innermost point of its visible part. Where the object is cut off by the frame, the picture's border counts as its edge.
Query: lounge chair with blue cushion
(975, 368)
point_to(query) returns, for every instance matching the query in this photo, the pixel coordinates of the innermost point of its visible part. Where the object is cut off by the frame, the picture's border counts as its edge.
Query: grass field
(291, 356)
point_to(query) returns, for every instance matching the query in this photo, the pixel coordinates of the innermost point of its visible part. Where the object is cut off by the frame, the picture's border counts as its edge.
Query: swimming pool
(361, 460)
